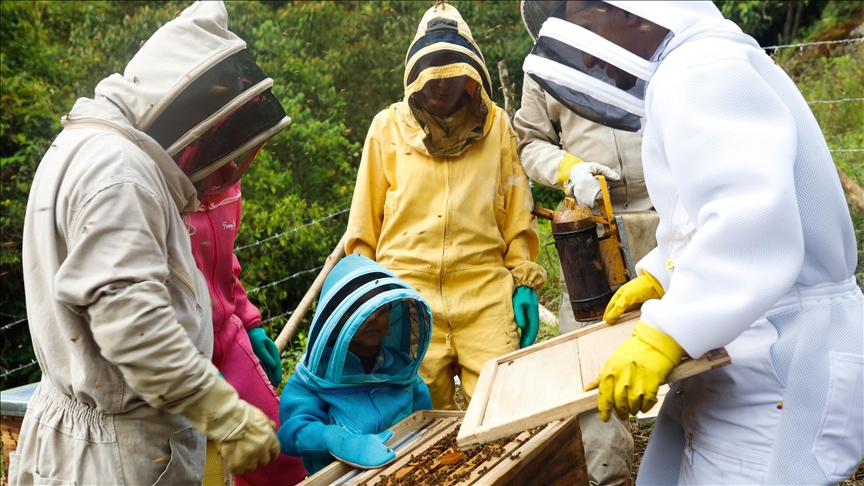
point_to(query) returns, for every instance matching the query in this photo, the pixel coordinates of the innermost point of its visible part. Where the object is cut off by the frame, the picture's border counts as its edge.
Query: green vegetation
(335, 65)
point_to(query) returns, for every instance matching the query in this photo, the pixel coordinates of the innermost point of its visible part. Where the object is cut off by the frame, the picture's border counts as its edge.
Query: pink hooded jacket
(212, 230)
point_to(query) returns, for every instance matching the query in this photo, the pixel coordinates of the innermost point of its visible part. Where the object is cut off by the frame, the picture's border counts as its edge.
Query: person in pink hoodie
(245, 356)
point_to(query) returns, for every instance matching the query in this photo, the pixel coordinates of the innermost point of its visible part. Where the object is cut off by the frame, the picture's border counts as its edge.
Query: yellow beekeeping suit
(446, 206)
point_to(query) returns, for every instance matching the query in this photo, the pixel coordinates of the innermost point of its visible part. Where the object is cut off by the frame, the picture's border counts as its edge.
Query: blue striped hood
(342, 308)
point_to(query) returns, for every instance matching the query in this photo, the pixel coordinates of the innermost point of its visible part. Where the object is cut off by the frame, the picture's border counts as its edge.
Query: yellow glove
(244, 435)
(632, 295)
(565, 167)
(630, 379)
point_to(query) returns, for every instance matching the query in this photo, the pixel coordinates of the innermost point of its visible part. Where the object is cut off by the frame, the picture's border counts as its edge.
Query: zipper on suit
(621, 167)
(215, 255)
(443, 251)
(181, 278)
(216, 341)
(380, 420)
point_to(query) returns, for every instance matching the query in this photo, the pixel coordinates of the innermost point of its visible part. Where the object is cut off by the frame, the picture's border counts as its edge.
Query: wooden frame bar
(552, 456)
(488, 420)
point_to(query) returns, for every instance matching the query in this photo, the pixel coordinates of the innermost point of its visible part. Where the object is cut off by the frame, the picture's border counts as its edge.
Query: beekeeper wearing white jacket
(756, 249)
(118, 312)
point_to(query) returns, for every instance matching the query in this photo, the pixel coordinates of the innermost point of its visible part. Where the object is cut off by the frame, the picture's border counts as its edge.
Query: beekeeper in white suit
(118, 312)
(756, 249)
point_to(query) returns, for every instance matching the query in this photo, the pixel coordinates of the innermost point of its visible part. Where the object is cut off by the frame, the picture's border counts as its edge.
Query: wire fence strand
(819, 43)
(256, 289)
(7, 326)
(847, 150)
(834, 102)
(292, 230)
(7, 373)
(270, 319)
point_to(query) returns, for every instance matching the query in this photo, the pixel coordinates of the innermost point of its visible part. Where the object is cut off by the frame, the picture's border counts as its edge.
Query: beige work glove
(577, 178)
(244, 436)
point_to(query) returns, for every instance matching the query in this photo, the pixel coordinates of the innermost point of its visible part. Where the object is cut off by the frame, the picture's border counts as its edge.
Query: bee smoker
(591, 264)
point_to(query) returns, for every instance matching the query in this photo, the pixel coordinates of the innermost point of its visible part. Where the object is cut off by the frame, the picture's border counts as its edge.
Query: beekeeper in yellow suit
(441, 199)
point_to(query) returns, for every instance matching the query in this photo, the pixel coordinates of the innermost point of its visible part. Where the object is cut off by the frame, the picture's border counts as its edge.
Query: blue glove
(527, 310)
(366, 451)
(268, 354)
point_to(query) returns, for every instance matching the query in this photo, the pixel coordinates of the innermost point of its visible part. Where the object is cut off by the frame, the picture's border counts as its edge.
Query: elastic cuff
(659, 341)
(564, 168)
(529, 274)
(655, 283)
(358, 247)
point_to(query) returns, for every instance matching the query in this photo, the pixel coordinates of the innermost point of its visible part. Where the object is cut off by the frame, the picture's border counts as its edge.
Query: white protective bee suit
(756, 249)
(119, 314)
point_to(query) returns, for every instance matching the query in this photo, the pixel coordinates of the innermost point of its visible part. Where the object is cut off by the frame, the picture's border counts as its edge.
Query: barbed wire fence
(277, 282)
(802, 45)
(772, 49)
(292, 230)
(834, 102)
(22, 367)
(5, 373)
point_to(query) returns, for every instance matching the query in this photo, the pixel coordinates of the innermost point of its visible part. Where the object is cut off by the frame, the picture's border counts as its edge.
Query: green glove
(630, 379)
(527, 311)
(268, 354)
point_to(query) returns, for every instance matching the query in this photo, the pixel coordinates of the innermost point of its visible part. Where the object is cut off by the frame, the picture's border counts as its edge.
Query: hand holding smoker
(591, 265)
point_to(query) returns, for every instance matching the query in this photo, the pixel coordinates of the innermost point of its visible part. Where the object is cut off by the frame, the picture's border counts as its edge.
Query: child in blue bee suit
(359, 373)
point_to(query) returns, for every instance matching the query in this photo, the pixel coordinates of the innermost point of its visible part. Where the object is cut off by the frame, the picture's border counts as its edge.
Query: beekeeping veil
(575, 62)
(443, 47)
(195, 89)
(354, 290)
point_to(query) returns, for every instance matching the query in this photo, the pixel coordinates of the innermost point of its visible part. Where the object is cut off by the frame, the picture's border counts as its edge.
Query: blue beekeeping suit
(332, 387)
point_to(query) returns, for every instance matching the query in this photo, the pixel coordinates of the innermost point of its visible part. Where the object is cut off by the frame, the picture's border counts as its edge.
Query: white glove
(582, 185)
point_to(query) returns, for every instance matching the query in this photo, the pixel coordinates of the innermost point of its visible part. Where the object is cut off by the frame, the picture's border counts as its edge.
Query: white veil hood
(174, 56)
(685, 19)
(195, 89)
(558, 59)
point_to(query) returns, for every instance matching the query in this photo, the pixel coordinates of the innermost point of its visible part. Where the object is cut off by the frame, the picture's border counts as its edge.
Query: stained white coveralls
(119, 314)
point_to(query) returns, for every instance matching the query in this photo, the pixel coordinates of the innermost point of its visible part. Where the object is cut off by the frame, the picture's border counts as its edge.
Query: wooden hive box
(13, 405)
(427, 454)
(544, 382)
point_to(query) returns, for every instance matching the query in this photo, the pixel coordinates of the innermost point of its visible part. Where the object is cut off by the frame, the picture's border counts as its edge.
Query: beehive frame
(542, 383)
(527, 457)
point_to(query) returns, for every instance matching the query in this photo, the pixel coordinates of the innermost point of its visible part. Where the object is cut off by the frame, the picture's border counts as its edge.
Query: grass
(857, 478)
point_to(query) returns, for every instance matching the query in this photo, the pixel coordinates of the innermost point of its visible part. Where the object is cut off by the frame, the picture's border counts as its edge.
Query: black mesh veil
(589, 74)
(225, 113)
